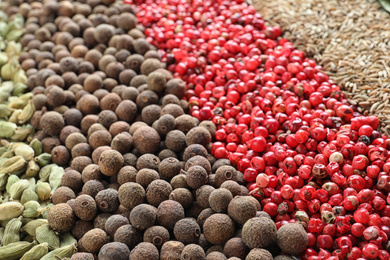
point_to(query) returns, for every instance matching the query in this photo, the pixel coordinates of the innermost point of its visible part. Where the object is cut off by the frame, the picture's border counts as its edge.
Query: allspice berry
(171, 250)
(143, 216)
(93, 240)
(292, 239)
(198, 135)
(52, 123)
(146, 140)
(187, 231)
(218, 228)
(128, 235)
(157, 192)
(85, 207)
(110, 162)
(61, 217)
(169, 212)
(241, 208)
(259, 232)
(107, 200)
(144, 250)
(259, 254)
(131, 194)
(196, 176)
(192, 251)
(114, 250)
(219, 199)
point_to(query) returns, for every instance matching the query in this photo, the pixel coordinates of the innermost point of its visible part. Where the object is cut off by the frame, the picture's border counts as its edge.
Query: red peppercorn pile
(305, 152)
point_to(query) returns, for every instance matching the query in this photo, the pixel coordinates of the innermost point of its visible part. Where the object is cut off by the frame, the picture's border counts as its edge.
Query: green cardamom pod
(60, 253)
(32, 209)
(17, 189)
(32, 226)
(67, 239)
(43, 159)
(29, 239)
(45, 172)
(9, 210)
(14, 117)
(1, 233)
(28, 195)
(3, 181)
(20, 77)
(5, 110)
(11, 181)
(15, 250)
(19, 89)
(12, 231)
(37, 252)
(13, 164)
(47, 209)
(3, 58)
(8, 154)
(21, 102)
(24, 150)
(36, 145)
(21, 133)
(32, 181)
(13, 49)
(14, 35)
(55, 177)
(43, 190)
(7, 129)
(2, 151)
(32, 169)
(45, 234)
(7, 71)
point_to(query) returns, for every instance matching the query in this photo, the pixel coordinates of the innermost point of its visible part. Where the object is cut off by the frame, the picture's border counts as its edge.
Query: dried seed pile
(350, 39)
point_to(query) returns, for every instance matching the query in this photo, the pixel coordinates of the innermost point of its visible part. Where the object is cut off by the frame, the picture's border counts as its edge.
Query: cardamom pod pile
(27, 177)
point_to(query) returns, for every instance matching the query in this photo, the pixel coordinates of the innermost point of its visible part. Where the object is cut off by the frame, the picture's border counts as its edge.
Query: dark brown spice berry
(198, 135)
(157, 235)
(157, 192)
(131, 194)
(187, 231)
(93, 240)
(82, 256)
(219, 199)
(176, 87)
(179, 181)
(52, 123)
(235, 247)
(85, 207)
(126, 174)
(80, 228)
(114, 250)
(62, 195)
(169, 212)
(169, 167)
(107, 200)
(206, 213)
(143, 216)
(218, 228)
(110, 162)
(145, 176)
(81, 149)
(122, 142)
(72, 179)
(171, 250)
(198, 160)
(113, 223)
(192, 150)
(146, 140)
(292, 239)
(61, 217)
(144, 250)
(175, 140)
(60, 155)
(241, 209)
(192, 251)
(259, 232)
(225, 173)
(183, 196)
(80, 162)
(203, 194)
(129, 235)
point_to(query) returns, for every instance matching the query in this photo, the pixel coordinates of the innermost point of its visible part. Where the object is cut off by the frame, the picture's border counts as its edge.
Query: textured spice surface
(349, 38)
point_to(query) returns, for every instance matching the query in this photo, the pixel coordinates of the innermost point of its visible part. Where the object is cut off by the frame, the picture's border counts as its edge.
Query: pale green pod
(43, 190)
(15, 250)
(14, 117)
(12, 231)
(10, 210)
(67, 239)
(45, 234)
(2, 151)
(60, 253)
(36, 145)
(21, 133)
(3, 181)
(32, 226)
(8, 154)
(15, 35)
(7, 71)
(47, 209)
(45, 172)
(13, 49)
(13, 164)
(17, 189)
(2, 233)
(32, 209)
(37, 252)
(3, 58)
(5, 110)
(43, 159)
(28, 195)
(7, 129)
(32, 181)
(11, 181)
(21, 101)
(20, 77)
(19, 89)
(25, 151)
(55, 177)
(32, 169)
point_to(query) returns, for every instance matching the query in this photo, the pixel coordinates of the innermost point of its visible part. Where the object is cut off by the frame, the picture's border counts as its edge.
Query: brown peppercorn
(62, 195)
(110, 162)
(144, 250)
(114, 250)
(52, 123)
(175, 141)
(219, 199)
(225, 173)
(122, 142)
(193, 150)
(203, 194)
(145, 176)
(241, 209)
(85, 207)
(198, 135)
(171, 250)
(61, 217)
(187, 231)
(126, 174)
(259, 232)
(146, 140)
(157, 192)
(114, 222)
(218, 228)
(60, 155)
(143, 216)
(169, 167)
(157, 235)
(192, 251)
(169, 212)
(80, 228)
(131, 194)
(183, 196)
(235, 247)
(107, 200)
(128, 235)
(196, 176)
(93, 240)
(72, 179)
